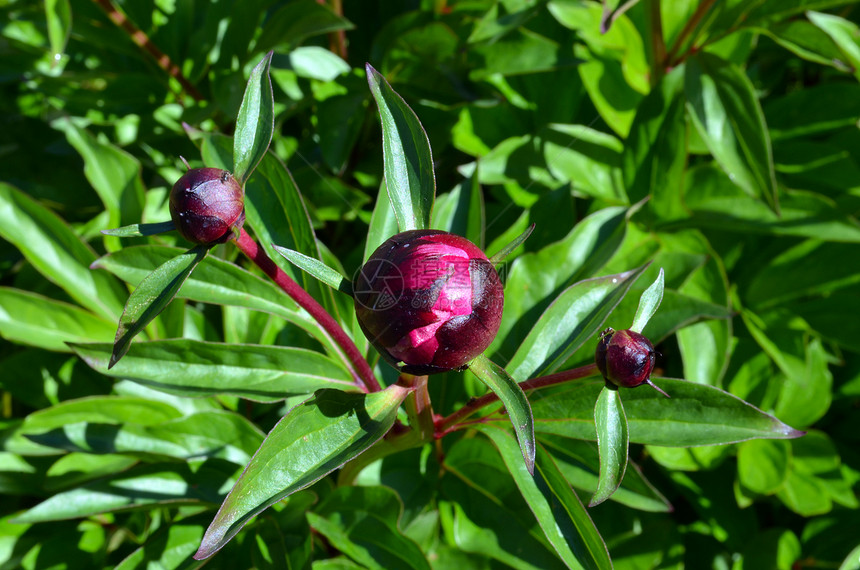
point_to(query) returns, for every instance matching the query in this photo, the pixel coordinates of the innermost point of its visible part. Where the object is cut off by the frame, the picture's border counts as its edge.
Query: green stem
(364, 377)
(454, 421)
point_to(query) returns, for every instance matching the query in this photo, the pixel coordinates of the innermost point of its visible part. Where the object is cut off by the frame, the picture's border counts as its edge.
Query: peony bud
(625, 358)
(429, 301)
(207, 205)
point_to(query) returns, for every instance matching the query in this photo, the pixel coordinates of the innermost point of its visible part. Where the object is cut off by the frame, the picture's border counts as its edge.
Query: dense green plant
(697, 156)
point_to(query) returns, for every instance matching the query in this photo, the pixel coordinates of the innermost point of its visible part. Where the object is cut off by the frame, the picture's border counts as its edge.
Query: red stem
(364, 377)
(449, 424)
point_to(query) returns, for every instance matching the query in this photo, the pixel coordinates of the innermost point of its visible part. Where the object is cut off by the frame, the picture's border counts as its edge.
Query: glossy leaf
(536, 278)
(255, 122)
(478, 491)
(575, 316)
(383, 223)
(558, 510)
(696, 415)
(113, 173)
(57, 253)
(144, 486)
(500, 256)
(612, 441)
(59, 19)
(579, 462)
(170, 547)
(151, 296)
(515, 401)
(293, 22)
(362, 522)
(313, 439)
(843, 33)
(27, 318)
(195, 368)
(317, 269)
(648, 304)
(409, 176)
(138, 230)
(722, 104)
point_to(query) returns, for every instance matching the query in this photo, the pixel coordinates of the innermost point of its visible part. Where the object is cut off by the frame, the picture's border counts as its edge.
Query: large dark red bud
(625, 358)
(429, 301)
(207, 205)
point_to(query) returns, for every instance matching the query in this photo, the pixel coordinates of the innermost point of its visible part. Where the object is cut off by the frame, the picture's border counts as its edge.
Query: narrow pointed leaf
(506, 251)
(196, 368)
(312, 440)
(383, 223)
(56, 252)
(648, 304)
(408, 161)
(723, 106)
(151, 297)
(558, 510)
(58, 14)
(575, 316)
(612, 442)
(318, 269)
(255, 122)
(31, 319)
(515, 401)
(138, 230)
(697, 414)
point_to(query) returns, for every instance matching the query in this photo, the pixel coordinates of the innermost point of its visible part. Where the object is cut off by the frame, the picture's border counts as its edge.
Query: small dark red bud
(429, 301)
(207, 205)
(625, 358)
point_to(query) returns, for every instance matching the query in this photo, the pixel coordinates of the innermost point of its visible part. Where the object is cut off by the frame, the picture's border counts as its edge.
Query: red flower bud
(429, 301)
(625, 358)
(207, 205)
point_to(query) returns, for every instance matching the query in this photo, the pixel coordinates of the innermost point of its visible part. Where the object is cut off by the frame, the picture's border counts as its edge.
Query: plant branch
(689, 28)
(658, 43)
(449, 424)
(140, 38)
(362, 373)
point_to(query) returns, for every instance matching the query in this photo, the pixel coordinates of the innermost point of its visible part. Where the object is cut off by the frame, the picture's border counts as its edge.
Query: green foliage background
(738, 121)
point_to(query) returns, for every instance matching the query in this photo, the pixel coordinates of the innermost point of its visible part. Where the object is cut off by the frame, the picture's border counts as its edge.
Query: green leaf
(318, 269)
(113, 173)
(144, 486)
(844, 34)
(383, 224)
(170, 547)
(612, 441)
(151, 296)
(31, 319)
(579, 462)
(696, 415)
(362, 522)
(59, 17)
(515, 401)
(293, 22)
(648, 304)
(195, 368)
(500, 255)
(763, 465)
(558, 510)
(575, 316)
(476, 492)
(722, 104)
(536, 278)
(137, 230)
(255, 122)
(312, 440)
(655, 154)
(409, 176)
(57, 253)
